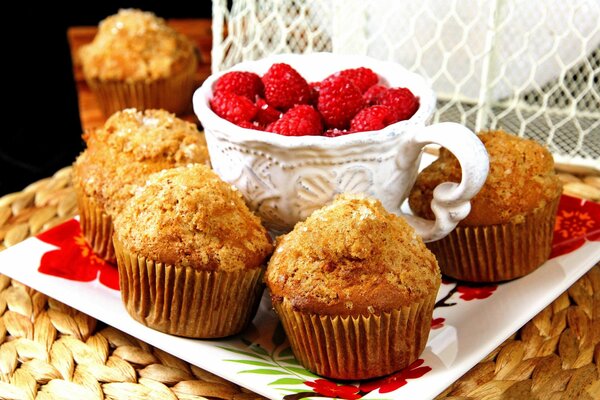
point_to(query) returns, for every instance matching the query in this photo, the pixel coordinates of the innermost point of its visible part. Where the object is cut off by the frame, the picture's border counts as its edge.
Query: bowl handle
(450, 202)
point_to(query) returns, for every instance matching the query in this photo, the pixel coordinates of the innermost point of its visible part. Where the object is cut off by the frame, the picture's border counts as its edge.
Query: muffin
(118, 159)
(508, 232)
(190, 254)
(354, 287)
(137, 60)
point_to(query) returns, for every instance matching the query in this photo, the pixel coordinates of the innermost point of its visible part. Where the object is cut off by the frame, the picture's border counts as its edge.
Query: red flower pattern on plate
(332, 389)
(397, 380)
(469, 293)
(577, 220)
(75, 260)
(437, 323)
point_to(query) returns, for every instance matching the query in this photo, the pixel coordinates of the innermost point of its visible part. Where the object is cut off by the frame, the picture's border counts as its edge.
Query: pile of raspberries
(283, 102)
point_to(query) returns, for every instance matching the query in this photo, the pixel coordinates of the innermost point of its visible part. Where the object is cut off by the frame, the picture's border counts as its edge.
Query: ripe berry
(402, 103)
(339, 101)
(251, 125)
(285, 87)
(336, 132)
(371, 119)
(300, 120)
(314, 92)
(242, 83)
(362, 77)
(266, 114)
(374, 93)
(233, 107)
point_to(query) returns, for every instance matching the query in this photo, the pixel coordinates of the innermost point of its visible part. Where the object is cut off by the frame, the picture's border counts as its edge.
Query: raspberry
(314, 92)
(299, 121)
(250, 125)
(371, 119)
(247, 84)
(402, 103)
(339, 101)
(374, 93)
(336, 132)
(284, 87)
(233, 107)
(362, 77)
(266, 114)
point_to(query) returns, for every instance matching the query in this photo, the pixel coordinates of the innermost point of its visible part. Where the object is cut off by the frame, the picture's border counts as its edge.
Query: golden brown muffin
(190, 254)
(508, 232)
(354, 287)
(119, 157)
(137, 60)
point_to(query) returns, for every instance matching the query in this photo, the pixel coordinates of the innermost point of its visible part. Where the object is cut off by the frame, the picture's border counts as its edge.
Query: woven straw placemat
(51, 351)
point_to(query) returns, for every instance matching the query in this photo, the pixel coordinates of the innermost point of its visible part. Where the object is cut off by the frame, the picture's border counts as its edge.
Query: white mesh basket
(529, 67)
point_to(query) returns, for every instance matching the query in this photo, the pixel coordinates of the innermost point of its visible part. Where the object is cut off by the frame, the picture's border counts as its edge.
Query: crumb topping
(188, 216)
(134, 45)
(129, 147)
(521, 179)
(153, 135)
(352, 257)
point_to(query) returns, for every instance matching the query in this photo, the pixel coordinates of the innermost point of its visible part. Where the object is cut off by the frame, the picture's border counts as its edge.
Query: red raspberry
(371, 118)
(250, 125)
(314, 92)
(266, 114)
(362, 77)
(374, 93)
(402, 103)
(299, 121)
(285, 87)
(336, 132)
(233, 107)
(242, 83)
(339, 101)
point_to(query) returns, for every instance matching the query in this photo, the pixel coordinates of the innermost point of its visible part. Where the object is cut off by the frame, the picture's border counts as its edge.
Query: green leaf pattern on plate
(277, 360)
(287, 381)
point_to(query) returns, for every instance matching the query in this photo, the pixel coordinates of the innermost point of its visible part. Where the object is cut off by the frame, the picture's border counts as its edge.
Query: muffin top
(134, 45)
(352, 257)
(188, 216)
(130, 146)
(152, 135)
(521, 179)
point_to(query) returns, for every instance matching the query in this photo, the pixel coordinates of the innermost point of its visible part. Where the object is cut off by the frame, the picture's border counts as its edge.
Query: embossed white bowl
(285, 178)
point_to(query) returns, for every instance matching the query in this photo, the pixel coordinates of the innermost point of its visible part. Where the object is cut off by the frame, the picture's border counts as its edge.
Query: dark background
(40, 130)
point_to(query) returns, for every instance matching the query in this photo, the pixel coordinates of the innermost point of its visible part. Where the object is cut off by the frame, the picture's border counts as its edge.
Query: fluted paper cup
(96, 226)
(498, 253)
(361, 346)
(183, 301)
(173, 94)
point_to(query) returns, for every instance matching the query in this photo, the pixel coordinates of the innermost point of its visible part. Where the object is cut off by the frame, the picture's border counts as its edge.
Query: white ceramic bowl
(284, 179)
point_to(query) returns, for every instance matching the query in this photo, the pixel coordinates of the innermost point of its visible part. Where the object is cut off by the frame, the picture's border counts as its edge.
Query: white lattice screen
(530, 67)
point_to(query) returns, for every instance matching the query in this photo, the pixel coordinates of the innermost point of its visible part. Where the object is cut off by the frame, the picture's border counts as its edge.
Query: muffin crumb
(521, 179)
(135, 45)
(126, 150)
(188, 216)
(355, 295)
(365, 256)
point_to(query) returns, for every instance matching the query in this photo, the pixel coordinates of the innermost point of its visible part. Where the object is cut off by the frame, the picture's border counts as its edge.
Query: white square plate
(469, 320)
